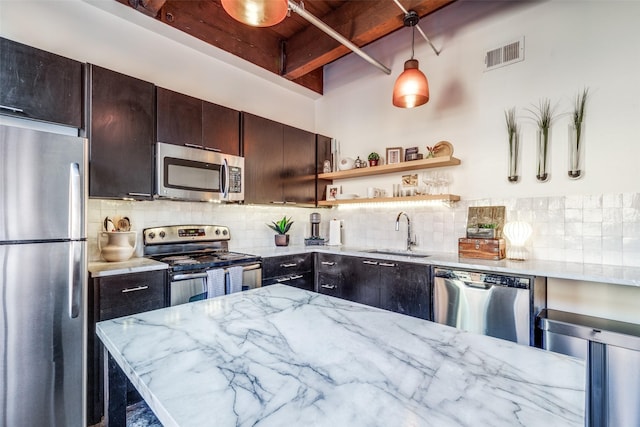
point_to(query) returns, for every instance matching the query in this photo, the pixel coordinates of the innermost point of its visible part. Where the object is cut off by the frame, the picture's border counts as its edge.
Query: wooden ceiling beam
(362, 22)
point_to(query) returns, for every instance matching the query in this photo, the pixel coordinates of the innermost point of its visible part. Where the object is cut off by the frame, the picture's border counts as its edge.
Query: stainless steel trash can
(612, 352)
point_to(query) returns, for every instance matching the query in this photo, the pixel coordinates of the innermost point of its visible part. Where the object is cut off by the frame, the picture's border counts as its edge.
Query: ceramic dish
(444, 149)
(346, 196)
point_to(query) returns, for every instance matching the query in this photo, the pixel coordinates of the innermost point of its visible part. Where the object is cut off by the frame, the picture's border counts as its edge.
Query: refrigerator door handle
(75, 278)
(75, 202)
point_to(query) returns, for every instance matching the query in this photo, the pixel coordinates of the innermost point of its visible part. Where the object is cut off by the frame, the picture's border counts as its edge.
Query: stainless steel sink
(409, 254)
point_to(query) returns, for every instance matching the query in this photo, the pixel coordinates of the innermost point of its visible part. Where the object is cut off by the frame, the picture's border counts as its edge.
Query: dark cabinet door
(262, 146)
(365, 274)
(39, 85)
(299, 166)
(121, 135)
(323, 152)
(220, 128)
(110, 297)
(407, 291)
(179, 118)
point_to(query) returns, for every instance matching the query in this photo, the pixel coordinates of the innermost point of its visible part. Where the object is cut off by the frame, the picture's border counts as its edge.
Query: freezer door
(42, 334)
(42, 185)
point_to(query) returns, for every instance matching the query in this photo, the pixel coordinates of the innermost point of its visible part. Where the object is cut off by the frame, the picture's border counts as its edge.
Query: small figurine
(359, 163)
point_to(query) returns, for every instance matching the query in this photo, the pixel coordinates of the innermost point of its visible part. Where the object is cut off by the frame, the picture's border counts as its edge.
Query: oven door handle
(250, 267)
(188, 276)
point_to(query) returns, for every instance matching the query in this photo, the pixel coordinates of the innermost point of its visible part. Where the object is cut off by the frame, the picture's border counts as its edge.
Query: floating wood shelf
(435, 162)
(443, 197)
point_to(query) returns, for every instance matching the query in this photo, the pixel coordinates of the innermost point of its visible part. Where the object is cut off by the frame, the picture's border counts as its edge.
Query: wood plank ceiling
(294, 48)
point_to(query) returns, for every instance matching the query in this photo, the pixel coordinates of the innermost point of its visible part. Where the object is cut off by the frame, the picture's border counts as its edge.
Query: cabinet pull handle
(193, 146)
(139, 194)
(386, 264)
(370, 262)
(329, 263)
(325, 286)
(217, 150)
(299, 276)
(288, 265)
(283, 279)
(14, 109)
(137, 288)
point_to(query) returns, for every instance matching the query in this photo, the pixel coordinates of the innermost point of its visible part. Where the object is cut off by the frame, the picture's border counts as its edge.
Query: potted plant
(373, 158)
(281, 227)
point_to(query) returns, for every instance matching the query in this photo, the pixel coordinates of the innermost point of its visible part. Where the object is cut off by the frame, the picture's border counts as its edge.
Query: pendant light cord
(413, 39)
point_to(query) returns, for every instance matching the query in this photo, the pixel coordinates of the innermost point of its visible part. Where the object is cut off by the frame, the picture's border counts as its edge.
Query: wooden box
(492, 249)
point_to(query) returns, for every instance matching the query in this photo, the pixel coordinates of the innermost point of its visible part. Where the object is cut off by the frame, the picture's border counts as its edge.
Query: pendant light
(411, 88)
(257, 13)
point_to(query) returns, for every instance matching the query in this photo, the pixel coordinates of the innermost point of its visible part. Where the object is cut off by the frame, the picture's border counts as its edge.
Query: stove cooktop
(204, 260)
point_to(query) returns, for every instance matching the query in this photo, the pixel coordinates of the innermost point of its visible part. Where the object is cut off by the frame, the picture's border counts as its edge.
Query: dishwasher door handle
(478, 285)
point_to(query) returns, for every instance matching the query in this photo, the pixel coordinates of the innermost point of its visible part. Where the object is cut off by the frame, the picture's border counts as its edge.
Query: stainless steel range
(200, 263)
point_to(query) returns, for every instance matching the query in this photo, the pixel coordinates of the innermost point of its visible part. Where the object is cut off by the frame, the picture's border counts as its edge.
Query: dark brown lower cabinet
(110, 297)
(396, 286)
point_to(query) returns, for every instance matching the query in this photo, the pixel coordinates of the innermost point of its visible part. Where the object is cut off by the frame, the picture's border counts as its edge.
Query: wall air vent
(504, 55)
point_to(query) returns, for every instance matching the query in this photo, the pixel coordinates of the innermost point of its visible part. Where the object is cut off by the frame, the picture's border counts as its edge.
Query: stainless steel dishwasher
(501, 306)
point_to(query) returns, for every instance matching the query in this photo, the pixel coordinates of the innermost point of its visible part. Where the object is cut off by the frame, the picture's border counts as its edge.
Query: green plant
(490, 225)
(373, 156)
(282, 226)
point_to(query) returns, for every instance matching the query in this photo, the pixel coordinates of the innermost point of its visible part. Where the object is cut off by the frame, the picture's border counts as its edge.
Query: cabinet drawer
(131, 293)
(298, 280)
(329, 263)
(286, 265)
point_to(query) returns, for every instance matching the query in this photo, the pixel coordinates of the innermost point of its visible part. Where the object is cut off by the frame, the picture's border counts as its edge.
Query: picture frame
(394, 155)
(332, 191)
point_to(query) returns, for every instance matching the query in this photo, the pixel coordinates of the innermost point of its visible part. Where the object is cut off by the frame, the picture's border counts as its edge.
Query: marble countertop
(133, 265)
(281, 356)
(617, 275)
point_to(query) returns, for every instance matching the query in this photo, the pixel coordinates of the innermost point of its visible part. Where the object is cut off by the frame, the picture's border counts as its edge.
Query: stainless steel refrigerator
(42, 278)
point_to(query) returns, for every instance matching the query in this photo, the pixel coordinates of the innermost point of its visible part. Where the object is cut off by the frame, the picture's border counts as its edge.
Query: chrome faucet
(410, 242)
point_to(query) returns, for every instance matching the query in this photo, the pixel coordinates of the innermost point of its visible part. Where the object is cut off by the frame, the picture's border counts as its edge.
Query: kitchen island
(281, 356)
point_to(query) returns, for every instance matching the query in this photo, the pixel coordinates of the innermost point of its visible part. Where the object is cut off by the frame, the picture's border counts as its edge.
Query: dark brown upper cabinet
(39, 85)
(262, 146)
(121, 135)
(280, 162)
(185, 120)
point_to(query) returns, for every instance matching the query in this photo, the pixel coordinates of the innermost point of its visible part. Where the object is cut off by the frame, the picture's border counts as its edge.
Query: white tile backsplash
(590, 228)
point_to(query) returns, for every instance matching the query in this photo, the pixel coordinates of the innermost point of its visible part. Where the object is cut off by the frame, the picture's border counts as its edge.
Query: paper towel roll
(335, 226)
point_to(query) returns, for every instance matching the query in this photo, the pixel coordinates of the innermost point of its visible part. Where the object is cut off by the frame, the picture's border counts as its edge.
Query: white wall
(114, 36)
(569, 45)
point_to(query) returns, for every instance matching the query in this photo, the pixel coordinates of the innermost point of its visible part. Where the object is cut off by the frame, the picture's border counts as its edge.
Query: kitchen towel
(235, 279)
(215, 282)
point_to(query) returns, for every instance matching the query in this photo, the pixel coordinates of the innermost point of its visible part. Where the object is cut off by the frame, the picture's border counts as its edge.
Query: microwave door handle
(225, 190)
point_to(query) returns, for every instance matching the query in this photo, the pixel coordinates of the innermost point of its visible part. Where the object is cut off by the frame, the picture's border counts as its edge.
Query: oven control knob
(225, 232)
(152, 235)
(162, 234)
(217, 231)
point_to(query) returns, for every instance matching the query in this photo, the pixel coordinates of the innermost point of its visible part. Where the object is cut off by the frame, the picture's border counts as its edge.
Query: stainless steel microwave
(187, 173)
